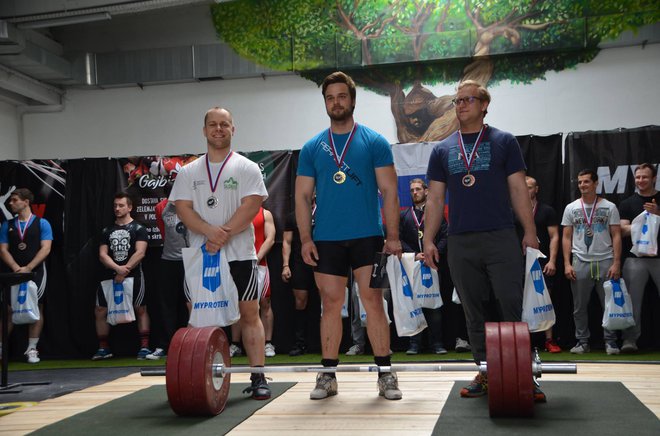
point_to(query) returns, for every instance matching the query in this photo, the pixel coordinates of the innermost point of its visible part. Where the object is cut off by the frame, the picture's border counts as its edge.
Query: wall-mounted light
(65, 21)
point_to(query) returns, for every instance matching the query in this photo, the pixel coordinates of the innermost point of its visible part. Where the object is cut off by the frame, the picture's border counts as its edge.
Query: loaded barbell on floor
(198, 370)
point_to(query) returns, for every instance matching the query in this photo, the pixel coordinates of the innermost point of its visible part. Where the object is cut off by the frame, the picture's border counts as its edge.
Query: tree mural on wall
(395, 47)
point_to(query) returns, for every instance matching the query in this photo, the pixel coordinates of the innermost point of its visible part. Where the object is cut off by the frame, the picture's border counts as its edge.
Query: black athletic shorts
(338, 257)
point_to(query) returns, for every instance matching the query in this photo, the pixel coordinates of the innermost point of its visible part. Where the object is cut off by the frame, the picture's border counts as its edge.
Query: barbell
(198, 370)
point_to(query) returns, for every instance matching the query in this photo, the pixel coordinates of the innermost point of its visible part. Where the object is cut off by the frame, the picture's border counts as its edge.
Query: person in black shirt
(123, 246)
(637, 270)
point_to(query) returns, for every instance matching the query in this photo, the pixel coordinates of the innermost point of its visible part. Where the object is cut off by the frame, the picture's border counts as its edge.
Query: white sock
(32, 343)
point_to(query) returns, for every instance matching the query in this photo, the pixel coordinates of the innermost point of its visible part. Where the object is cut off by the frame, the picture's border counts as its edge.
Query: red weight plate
(181, 374)
(508, 351)
(210, 393)
(172, 371)
(494, 367)
(525, 382)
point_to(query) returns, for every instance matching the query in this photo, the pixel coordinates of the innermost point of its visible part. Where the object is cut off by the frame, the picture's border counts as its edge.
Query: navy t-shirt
(486, 205)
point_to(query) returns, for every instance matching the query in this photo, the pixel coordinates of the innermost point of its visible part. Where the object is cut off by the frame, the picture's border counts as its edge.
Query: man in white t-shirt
(217, 196)
(592, 234)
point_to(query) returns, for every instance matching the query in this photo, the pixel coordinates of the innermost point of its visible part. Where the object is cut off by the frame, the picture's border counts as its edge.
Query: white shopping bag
(426, 286)
(538, 311)
(363, 311)
(644, 234)
(119, 297)
(214, 296)
(408, 316)
(618, 313)
(25, 303)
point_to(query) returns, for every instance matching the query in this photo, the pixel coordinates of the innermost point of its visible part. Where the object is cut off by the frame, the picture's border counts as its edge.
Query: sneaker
(611, 348)
(269, 350)
(158, 354)
(355, 350)
(235, 350)
(297, 350)
(551, 346)
(413, 349)
(326, 386)
(477, 388)
(102, 353)
(258, 387)
(539, 395)
(32, 355)
(462, 346)
(439, 349)
(143, 353)
(388, 386)
(629, 347)
(580, 348)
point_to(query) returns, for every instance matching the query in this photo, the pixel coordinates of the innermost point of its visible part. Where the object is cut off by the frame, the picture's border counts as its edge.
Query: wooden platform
(356, 410)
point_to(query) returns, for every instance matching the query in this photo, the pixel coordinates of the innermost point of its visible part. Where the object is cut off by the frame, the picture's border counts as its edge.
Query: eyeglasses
(467, 100)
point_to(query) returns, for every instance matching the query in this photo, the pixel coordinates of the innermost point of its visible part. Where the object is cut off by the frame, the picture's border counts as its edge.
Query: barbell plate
(525, 380)
(509, 353)
(210, 393)
(178, 370)
(494, 361)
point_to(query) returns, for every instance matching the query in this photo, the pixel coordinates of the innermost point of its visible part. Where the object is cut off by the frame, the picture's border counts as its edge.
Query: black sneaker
(259, 387)
(297, 350)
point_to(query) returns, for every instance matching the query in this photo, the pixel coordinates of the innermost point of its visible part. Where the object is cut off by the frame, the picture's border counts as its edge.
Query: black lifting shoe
(258, 387)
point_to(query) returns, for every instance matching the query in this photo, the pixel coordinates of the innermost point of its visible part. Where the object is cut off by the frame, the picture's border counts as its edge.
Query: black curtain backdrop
(91, 183)
(615, 154)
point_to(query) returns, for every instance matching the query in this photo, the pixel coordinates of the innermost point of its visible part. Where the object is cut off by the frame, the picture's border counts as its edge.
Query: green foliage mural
(397, 45)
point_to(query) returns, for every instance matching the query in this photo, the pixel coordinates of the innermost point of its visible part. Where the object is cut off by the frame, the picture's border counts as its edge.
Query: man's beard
(345, 114)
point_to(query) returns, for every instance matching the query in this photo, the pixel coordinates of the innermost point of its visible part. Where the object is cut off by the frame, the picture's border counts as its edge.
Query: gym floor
(357, 408)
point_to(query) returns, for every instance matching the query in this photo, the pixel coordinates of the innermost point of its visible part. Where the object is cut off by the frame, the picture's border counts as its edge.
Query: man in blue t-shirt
(347, 165)
(25, 242)
(483, 170)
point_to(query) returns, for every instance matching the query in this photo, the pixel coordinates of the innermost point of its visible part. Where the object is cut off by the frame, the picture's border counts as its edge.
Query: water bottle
(118, 291)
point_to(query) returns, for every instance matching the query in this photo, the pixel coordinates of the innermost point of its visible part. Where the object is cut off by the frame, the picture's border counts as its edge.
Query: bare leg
(252, 331)
(372, 299)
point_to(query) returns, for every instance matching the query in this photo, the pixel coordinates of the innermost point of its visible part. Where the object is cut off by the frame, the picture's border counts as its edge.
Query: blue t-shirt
(486, 205)
(46, 230)
(349, 210)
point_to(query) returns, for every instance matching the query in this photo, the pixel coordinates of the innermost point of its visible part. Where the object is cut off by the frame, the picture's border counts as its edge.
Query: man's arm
(41, 255)
(522, 206)
(136, 258)
(567, 245)
(435, 203)
(7, 258)
(216, 235)
(287, 238)
(615, 270)
(106, 260)
(269, 235)
(244, 215)
(387, 184)
(304, 194)
(625, 228)
(551, 267)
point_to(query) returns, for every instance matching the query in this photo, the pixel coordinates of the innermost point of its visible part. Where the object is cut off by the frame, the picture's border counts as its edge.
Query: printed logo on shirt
(230, 183)
(456, 162)
(120, 243)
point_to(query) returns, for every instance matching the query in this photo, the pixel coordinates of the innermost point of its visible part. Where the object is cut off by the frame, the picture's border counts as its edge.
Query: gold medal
(339, 177)
(22, 246)
(468, 180)
(420, 234)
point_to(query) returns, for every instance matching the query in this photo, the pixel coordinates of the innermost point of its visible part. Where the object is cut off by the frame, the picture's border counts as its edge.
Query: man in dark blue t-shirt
(483, 170)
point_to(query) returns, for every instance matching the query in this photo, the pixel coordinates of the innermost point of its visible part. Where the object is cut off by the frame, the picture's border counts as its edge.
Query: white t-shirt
(240, 178)
(598, 246)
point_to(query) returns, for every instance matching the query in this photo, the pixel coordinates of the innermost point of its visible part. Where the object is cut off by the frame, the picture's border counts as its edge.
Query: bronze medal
(468, 180)
(22, 246)
(339, 177)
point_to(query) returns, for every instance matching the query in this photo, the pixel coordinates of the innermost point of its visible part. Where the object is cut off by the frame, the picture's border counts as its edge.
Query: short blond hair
(481, 90)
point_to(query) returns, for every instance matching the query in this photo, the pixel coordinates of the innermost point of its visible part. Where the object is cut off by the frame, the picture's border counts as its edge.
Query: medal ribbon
(418, 223)
(589, 218)
(214, 185)
(21, 232)
(469, 160)
(339, 160)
